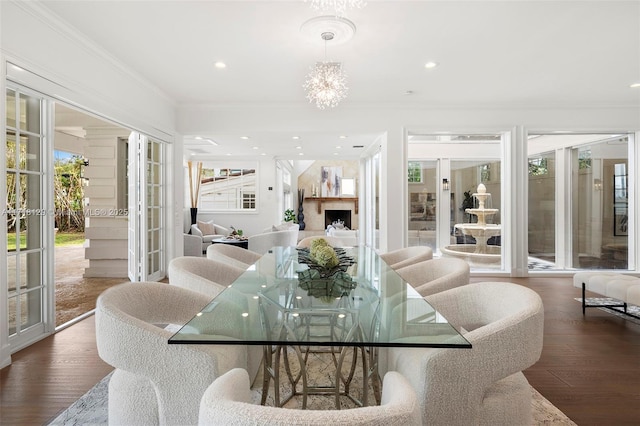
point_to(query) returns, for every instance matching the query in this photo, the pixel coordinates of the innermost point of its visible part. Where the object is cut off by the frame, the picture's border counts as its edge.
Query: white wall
(84, 75)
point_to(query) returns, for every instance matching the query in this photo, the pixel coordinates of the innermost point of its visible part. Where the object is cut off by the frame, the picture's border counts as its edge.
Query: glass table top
(286, 299)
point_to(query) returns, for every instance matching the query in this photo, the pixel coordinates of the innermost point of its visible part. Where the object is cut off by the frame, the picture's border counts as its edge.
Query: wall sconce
(445, 184)
(597, 185)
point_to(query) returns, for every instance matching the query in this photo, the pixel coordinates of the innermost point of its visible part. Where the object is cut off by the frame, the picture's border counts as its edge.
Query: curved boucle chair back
(227, 402)
(233, 255)
(210, 277)
(201, 274)
(332, 241)
(436, 275)
(403, 257)
(261, 243)
(130, 337)
(483, 385)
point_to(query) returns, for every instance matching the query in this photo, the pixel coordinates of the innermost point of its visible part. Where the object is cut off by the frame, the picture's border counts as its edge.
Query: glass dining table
(291, 307)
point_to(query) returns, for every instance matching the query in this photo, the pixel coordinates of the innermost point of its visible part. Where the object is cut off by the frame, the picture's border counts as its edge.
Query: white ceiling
(490, 53)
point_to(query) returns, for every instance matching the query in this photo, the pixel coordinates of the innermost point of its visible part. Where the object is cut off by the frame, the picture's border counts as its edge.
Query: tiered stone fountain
(479, 254)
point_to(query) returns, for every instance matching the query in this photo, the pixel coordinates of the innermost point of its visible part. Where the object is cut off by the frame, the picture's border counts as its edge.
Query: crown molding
(53, 21)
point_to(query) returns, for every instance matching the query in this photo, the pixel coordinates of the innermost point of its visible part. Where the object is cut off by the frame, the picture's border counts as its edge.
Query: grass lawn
(62, 239)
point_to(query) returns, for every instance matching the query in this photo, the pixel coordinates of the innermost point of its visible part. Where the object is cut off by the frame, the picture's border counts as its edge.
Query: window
(620, 183)
(348, 187)
(538, 166)
(228, 187)
(415, 172)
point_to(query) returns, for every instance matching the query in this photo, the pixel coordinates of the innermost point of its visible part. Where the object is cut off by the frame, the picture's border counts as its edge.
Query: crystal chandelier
(326, 84)
(338, 6)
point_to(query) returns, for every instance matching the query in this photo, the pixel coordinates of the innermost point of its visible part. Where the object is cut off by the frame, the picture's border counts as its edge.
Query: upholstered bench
(623, 289)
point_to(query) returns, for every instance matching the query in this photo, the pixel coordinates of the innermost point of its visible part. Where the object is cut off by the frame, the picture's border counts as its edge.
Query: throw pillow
(207, 228)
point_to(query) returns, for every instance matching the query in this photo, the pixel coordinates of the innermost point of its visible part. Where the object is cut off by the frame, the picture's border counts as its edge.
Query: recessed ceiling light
(301, 153)
(343, 137)
(255, 147)
(338, 147)
(298, 147)
(220, 65)
(198, 138)
(244, 137)
(228, 153)
(635, 85)
(264, 153)
(295, 137)
(335, 153)
(430, 65)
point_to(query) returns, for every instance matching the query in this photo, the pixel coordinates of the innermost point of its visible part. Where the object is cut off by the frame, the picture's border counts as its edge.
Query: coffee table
(276, 305)
(232, 241)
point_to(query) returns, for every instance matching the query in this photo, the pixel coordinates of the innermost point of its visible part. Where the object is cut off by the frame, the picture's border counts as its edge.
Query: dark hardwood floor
(590, 366)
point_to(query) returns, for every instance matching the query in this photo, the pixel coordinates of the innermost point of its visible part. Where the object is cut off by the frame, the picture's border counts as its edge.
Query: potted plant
(289, 216)
(467, 203)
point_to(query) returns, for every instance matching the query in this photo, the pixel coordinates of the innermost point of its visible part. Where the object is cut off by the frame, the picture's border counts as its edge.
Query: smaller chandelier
(326, 84)
(338, 6)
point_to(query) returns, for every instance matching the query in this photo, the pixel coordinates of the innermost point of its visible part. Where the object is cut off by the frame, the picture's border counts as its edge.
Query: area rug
(91, 408)
(632, 309)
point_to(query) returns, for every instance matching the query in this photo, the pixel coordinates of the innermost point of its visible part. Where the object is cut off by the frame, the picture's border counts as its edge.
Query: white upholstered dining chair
(261, 243)
(233, 255)
(332, 241)
(155, 382)
(203, 275)
(227, 402)
(436, 275)
(483, 385)
(406, 256)
(210, 277)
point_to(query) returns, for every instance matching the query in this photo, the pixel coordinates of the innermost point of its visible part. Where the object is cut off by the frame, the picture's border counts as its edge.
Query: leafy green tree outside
(68, 193)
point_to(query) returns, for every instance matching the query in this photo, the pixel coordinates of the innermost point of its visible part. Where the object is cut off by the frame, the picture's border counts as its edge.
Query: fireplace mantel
(320, 200)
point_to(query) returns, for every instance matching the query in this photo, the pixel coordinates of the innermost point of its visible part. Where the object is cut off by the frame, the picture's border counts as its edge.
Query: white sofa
(285, 234)
(349, 237)
(208, 231)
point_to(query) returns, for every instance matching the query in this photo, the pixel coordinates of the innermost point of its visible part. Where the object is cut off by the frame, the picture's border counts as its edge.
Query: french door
(146, 207)
(28, 221)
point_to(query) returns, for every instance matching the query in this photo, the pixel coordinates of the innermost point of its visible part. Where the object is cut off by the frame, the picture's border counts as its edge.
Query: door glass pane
(600, 205)
(11, 108)
(12, 314)
(423, 191)
(29, 153)
(542, 208)
(31, 273)
(30, 308)
(10, 152)
(376, 200)
(29, 113)
(12, 275)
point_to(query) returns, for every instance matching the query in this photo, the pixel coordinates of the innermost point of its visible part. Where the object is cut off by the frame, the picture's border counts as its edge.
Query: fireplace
(331, 216)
